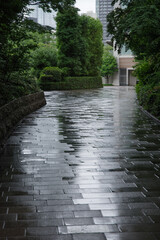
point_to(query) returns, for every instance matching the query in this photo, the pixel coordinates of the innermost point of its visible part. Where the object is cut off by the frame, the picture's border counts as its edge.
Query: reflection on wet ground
(84, 167)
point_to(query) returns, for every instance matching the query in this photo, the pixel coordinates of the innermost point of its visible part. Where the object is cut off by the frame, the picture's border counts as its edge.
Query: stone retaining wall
(14, 111)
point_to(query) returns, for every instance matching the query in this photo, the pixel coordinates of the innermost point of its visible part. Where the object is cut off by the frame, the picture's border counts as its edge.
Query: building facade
(126, 63)
(125, 60)
(103, 7)
(41, 17)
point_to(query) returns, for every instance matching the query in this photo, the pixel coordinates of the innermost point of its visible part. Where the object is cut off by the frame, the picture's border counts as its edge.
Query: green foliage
(51, 74)
(16, 45)
(149, 98)
(136, 25)
(19, 85)
(79, 40)
(92, 45)
(84, 82)
(73, 83)
(68, 36)
(109, 63)
(45, 54)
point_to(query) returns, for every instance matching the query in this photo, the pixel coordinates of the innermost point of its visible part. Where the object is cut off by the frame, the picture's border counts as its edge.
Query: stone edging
(14, 111)
(149, 115)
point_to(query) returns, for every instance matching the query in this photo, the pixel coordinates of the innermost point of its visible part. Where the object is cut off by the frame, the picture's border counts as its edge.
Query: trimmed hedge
(73, 83)
(51, 74)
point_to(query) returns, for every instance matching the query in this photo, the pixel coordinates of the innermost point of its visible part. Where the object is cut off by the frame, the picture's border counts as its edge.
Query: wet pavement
(84, 167)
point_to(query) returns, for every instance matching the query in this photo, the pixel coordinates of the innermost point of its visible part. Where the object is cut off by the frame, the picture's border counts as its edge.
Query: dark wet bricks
(8, 217)
(78, 221)
(140, 227)
(92, 213)
(40, 231)
(35, 223)
(58, 196)
(20, 198)
(59, 202)
(46, 237)
(92, 236)
(17, 209)
(142, 205)
(10, 232)
(122, 219)
(83, 165)
(150, 212)
(21, 203)
(3, 210)
(130, 236)
(48, 215)
(62, 208)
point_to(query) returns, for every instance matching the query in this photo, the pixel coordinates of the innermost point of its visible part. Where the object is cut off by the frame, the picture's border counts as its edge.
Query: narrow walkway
(84, 167)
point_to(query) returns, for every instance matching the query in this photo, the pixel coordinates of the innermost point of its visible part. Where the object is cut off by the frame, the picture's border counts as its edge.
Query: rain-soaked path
(84, 167)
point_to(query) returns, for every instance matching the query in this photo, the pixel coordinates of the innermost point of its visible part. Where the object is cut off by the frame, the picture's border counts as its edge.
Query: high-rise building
(41, 17)
(103, 7)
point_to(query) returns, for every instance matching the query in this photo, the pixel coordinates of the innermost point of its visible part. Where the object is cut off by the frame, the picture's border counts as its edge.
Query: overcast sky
(86, 5)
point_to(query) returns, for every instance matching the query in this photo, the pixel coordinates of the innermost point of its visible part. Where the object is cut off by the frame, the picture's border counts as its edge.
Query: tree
(80, 44)
(92, 40)
(45, 54)
(68, 38)
(136, 24)
(15, 44)
(109, 63)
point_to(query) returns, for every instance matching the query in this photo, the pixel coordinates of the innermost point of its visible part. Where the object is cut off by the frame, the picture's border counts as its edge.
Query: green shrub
(46, 78)
(84, 82)
(149, 98)
(72, 83)
(54, 74)
(18, 86)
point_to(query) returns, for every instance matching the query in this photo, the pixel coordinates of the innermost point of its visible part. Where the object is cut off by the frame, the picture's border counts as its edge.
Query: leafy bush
(109, 62)
(45, 55)
(18, 86)
(149, 98)
(73, 83)
(51, 74)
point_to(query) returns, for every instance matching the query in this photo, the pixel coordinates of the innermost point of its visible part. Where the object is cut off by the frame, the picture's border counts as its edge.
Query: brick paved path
(84, 167)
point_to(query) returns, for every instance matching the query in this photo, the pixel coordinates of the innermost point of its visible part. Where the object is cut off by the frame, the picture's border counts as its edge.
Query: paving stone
(78, 221)
(48, 215)
(130, 236)
(10, 232)
(119, 212)
(39, 231)
(47, 237)
(16, 209)
(140, 227)
(123, 219)
(35, 223)
(88, 229)
(62, 208)
(84, 167)
(93, 213)
(92, 236)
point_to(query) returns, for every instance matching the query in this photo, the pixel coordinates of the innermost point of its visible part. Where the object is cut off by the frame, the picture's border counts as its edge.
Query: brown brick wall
(126, 62)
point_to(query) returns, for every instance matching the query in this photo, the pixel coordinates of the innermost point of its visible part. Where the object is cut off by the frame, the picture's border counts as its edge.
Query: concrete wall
(14, 111)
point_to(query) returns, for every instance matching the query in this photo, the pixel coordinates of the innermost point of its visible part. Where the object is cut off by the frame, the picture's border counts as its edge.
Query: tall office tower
(103, 7)
(41, 17)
